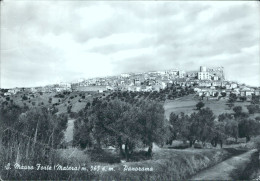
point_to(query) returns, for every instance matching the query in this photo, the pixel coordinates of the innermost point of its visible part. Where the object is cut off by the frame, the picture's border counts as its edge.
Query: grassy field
(68, 134)
(188, 103)
(37, 99)
(240, 167)
(168, 164)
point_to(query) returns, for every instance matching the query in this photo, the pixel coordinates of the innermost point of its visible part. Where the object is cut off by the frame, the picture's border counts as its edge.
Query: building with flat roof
(203, 74)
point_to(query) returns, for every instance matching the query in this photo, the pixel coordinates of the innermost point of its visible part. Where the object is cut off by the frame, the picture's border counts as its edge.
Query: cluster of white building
(206, 81)
(211, 74)
(240, 91)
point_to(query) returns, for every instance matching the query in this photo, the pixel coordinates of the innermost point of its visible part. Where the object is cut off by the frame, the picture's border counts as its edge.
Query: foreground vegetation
(168, 164)
(127, 123)
(30, 137)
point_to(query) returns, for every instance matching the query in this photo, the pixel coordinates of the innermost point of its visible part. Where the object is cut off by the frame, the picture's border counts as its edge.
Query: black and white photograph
(129, 90)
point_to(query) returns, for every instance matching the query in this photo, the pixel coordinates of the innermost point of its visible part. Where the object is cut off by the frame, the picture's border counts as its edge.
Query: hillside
(187, 105)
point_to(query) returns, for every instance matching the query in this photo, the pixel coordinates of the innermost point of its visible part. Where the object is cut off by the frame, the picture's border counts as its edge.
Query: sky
(47, 42)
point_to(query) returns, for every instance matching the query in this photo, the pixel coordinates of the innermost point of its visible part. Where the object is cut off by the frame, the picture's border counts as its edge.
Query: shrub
(200, 105)
(69, 108)
(99, 155)
(242, 99)
(140, 155)
(25, 98)
(180, 146)
(197, 145)
(73, 114)
(60, 95)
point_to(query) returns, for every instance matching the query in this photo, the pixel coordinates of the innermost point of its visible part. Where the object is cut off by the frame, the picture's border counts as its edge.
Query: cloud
(45, 42)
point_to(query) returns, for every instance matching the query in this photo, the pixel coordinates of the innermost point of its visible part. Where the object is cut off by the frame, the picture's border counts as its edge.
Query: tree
(200, 105)
(231, 128)
(237, 109)
(82, 133)
(43, 126)
(24, 98)
(223, 94)
(174, 127)
(69, 107)
(253, 108)
(238, 112)
(33, 131)
(9, 114)
(242, 98)
(117, 123)
(102, 124)
(255, 99)
(217, 134)
(225, 116)
(232, 98)
(248, 128)
(179, 127)
(197, 126)
(204, 120)
(185, 128)
(152, 123)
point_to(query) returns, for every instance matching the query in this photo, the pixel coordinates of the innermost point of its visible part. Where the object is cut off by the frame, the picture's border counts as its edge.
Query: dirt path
(68, 134)
(225, 169)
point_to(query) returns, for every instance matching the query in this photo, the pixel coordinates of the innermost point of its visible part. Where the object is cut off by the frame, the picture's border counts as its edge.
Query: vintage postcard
(130, 90)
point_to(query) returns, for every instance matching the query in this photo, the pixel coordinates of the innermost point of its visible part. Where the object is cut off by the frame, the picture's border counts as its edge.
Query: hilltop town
(206, 82)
